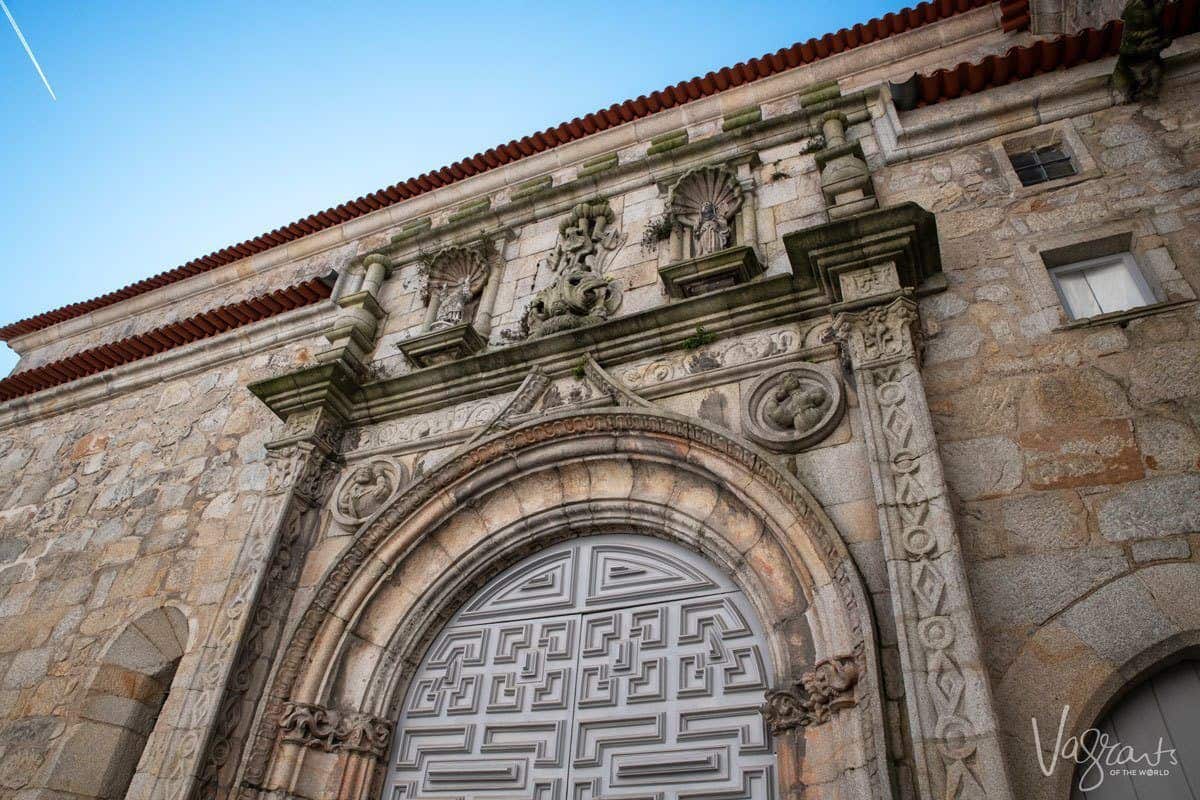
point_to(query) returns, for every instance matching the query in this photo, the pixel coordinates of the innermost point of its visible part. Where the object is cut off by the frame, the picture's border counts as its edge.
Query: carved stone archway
(335, 694)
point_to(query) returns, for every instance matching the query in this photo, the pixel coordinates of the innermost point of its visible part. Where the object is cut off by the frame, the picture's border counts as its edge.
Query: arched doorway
(1160, 714)
(607, 666)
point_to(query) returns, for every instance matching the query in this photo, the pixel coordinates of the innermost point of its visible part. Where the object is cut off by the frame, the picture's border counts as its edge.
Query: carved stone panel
(364, 489)
(604, 667)
(793, 407)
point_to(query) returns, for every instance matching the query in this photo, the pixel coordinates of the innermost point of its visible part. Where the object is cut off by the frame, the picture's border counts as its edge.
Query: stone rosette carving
(580, 294)
(704, 202)
(792, 408)
(820, 693)
(364, 489)
(335, 731)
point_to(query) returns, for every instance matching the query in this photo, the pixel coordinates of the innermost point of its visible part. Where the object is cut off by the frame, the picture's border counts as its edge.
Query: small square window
(1042, 164)
(1101, 286)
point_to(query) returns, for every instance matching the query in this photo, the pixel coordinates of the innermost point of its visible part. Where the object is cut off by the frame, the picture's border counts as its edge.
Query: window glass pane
(1022, 160)
(1077, 295)
(1114, 287)
(1058, 169)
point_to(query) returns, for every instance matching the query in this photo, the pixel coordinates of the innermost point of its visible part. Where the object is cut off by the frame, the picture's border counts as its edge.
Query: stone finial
(1138, 73)
(821, 692)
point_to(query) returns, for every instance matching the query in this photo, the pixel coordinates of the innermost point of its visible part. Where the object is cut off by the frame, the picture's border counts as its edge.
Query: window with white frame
(1102, 285)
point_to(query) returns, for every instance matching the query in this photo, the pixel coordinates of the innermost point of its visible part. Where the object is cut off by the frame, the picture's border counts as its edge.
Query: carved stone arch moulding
(793, 407)
(621, 470)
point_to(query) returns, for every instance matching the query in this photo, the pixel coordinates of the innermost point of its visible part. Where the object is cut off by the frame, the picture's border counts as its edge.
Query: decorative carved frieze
(335, 731)
(580, 294)
(793, 407)
(820, 693)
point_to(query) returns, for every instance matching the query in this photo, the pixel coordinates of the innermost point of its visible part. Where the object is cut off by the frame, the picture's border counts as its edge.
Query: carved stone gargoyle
(826, 688)
(1138, 73)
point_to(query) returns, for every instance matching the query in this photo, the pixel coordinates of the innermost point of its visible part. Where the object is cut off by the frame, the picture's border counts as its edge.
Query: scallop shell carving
(705, 201)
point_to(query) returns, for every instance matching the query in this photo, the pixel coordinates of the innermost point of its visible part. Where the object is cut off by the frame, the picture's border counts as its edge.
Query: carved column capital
(879, 335)
(305, 456)
(821, 691)
(334, 731)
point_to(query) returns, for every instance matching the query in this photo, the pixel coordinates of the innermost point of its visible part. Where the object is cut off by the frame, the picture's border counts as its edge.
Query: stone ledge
(441, 346)
(720, 270)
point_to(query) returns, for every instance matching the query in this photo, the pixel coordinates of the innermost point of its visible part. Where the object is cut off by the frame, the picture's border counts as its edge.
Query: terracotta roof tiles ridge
(143, 345)
(1180, 18)
(617, 114)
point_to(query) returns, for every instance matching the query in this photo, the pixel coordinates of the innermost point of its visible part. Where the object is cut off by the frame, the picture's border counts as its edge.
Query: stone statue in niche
(455, 279)
(1138, 72)
(796, 405)
(704, 202)
(580, 294)
(793, 407)
(365, 489)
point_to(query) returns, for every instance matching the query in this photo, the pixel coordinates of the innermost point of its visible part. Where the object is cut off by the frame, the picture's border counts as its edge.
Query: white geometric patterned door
(603, 668)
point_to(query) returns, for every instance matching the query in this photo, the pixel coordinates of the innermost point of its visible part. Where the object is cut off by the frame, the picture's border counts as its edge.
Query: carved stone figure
(823, 690)
(705, 201)
(364, 490)
(793, 407)
(580, 294)
(796, 405)
(455, 279)
(1139, 69)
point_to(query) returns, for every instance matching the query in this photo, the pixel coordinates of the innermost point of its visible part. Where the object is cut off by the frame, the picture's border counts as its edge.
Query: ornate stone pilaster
(237, 653)
(956, 749)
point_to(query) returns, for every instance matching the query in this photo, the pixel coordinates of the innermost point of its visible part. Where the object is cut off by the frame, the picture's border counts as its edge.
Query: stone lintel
(903, 236)
(442, 346)
(720, 270)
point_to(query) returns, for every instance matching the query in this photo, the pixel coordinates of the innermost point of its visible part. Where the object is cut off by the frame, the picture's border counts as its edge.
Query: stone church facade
(811, 429)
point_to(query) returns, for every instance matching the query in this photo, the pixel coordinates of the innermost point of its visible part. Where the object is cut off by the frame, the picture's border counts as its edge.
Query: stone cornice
(735, 310)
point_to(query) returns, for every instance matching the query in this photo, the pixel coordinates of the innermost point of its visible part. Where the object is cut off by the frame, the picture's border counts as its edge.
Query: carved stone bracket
(820, 693)
(335, 731)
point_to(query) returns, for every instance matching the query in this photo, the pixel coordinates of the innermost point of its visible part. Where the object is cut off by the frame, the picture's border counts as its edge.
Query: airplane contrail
(28, 52)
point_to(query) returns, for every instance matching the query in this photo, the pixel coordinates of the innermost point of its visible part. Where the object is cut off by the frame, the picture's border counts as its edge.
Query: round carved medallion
(365, 488)
(792, 408)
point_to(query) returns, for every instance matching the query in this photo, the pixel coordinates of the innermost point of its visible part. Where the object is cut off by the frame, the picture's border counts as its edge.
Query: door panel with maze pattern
(616, 667)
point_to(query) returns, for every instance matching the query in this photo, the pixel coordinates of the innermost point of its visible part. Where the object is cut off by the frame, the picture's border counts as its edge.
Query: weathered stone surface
(1030, 589)
(1067, 456)
(1160, 506)
(1160, 549)
(1044, 521)
(980, 468)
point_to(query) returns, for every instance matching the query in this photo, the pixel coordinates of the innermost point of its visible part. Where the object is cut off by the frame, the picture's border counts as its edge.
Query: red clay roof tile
(619, 113)
(134, 348)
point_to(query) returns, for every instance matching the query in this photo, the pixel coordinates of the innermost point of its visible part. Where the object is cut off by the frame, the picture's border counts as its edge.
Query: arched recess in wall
(344, 675)
(1157, 715)
(1086, 659)
(121, 707)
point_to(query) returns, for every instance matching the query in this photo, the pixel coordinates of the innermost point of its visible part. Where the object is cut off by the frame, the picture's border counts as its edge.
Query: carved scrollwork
(822, 691)
(793, 407)
(333, 731)
(365, 488)
(580, 294)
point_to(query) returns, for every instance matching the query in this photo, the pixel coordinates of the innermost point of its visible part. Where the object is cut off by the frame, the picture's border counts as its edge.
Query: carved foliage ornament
(333, 731)
(580, 294)
(825, 689)
(704, 202)
(793, 407)
(454, 279)
(365, 488)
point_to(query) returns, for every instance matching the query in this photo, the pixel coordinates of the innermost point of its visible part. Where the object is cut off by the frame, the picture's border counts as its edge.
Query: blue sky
(184, 127)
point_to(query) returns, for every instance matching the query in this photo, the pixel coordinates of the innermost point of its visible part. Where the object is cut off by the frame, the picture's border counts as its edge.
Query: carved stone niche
(460, 287)
(792, 408)
(870, 257)
(713, 232)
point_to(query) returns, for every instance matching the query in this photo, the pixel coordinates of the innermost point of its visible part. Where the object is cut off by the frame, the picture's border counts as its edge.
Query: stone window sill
(1049, 186)
(1122, 317)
